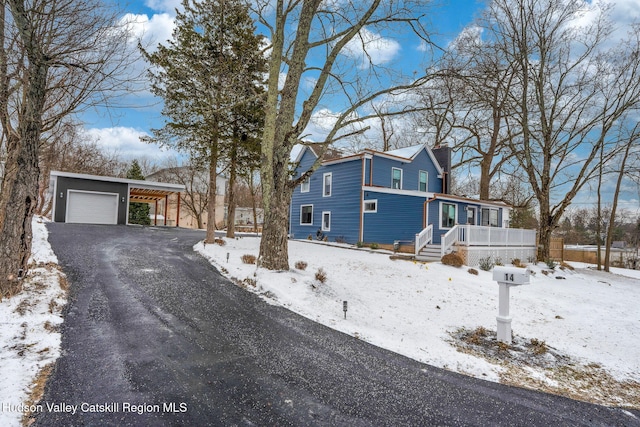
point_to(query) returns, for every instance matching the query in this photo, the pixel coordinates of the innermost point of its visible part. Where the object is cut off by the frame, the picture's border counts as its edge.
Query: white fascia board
(149, 185)
(414, 193)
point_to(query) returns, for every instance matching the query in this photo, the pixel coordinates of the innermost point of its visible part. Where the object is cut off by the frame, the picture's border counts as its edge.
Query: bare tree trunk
(254, 203)
(231, 193)
(211, 207)
(599, 214)
(19, 195)
(614, 207)
(274, 242)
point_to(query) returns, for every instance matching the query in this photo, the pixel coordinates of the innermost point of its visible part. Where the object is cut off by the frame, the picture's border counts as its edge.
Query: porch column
(155, 214)
(178, 212)
(166, 208)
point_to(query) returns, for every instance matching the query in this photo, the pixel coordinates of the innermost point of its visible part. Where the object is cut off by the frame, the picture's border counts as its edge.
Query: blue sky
(120, 129)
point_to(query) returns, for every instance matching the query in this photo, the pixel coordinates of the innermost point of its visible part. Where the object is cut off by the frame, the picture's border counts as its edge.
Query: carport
(94, 199)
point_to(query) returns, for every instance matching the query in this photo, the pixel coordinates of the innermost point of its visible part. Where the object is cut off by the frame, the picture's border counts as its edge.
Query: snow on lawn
(414, 308)
(29, 324)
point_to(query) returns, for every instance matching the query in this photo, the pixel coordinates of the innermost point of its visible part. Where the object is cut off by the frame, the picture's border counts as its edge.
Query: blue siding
(343, 204)
(399, 217)
(383, 166)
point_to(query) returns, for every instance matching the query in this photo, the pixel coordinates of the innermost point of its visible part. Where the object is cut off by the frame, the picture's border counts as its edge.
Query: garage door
(90, 207)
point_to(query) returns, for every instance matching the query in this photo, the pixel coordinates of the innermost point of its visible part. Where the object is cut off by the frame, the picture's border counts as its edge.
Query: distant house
(399, 198)
(245, 216)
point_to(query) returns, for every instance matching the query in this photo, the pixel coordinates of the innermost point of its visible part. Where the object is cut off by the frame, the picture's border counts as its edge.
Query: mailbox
(511, 275)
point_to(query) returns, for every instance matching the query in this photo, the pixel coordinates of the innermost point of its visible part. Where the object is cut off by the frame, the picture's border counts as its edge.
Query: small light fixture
(227, 256)
(344, 308)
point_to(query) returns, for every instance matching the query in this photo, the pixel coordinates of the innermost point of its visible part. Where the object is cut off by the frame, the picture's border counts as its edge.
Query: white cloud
(169, 6)
(125, 142)
(371, 49)
(150, 31)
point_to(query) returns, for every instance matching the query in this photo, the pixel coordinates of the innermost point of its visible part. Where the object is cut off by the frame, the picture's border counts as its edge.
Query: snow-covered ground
(414, 308)
(410, 308)
(29, 324)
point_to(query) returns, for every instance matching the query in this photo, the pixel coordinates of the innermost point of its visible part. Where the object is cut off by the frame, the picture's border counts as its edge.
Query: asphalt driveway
(155, 336)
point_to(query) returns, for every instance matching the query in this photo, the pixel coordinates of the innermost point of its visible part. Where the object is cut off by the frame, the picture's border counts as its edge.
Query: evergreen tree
(138, 212)
(209, 75)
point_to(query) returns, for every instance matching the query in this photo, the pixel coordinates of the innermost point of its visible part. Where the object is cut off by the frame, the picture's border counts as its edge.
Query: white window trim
(455, 215)
(305, 186)
(324, 184)
(323, 226)
(490, 209)
(426, 184)
(475, 214)
(306, 223)
(401, 178)
(364, 206)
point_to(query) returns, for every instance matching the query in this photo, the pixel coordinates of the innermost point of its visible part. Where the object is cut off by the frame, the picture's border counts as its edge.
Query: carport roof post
(139, 191)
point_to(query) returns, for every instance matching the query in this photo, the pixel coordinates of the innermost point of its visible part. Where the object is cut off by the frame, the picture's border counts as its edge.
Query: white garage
(91, 207)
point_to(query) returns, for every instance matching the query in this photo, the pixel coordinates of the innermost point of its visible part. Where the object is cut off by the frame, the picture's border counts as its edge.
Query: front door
(471, 215)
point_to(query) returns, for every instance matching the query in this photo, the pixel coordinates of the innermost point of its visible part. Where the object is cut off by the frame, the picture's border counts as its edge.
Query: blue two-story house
(384, 198)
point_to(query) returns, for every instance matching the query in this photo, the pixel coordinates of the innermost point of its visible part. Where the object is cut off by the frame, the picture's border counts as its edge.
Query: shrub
(321, 275)
(249, 282)
(564, 265)
(473, 271)
(301, 265)
(452, 259)
(539, 347)
(220, 242)
(486, 264)
(374, 246)
(551, 263)
(477, 335)
(359, 245)
(517, 263)
(498, 261)
(309, 237)
(532, 259)
(248, 259)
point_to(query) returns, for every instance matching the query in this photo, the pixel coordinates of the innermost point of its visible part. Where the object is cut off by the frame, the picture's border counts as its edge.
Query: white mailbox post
(507, 277)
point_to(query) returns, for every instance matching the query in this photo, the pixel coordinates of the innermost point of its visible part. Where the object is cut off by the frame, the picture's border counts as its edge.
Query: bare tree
(195, 178)
(65, 148)
(331, 44)
(621, 164)
(55, 57)
(468, 107)
(560, 102)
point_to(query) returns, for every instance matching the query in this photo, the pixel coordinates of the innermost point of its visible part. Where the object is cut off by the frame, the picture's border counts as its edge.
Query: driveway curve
(155, 336)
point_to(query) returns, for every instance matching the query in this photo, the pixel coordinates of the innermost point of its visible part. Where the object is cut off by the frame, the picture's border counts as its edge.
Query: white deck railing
(448, 240)
(424, 238)
(474, 235)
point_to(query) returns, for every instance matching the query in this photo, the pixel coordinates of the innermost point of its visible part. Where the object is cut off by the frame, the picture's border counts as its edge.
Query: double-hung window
(326, 221)
(305, 186)
(327, 179)
(423, 180)
(306, 215)
(396, 178)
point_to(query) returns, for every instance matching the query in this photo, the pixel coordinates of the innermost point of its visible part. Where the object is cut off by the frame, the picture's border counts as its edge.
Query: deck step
(429, 253)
